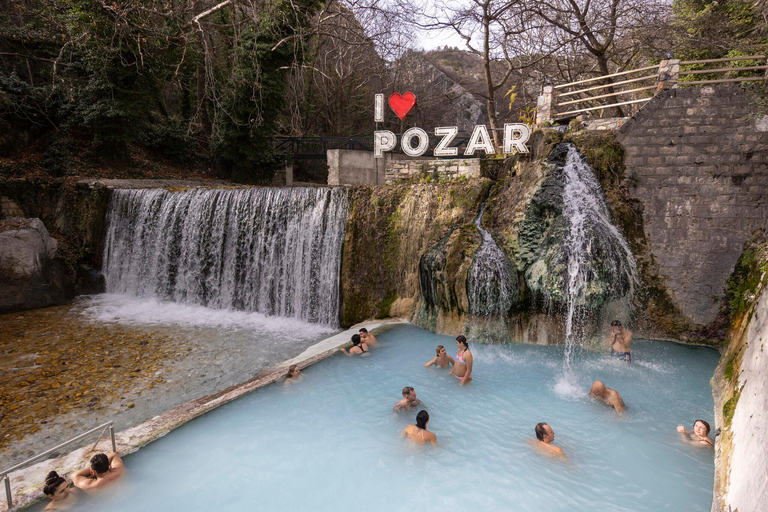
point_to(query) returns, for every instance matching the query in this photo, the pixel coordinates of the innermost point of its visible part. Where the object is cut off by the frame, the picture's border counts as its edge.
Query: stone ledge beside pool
(27, 483)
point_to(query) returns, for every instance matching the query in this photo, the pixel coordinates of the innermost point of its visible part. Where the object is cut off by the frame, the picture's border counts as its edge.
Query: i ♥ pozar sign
(415, 141)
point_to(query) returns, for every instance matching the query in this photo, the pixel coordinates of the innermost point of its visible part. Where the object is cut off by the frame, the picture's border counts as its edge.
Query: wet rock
(30, 276)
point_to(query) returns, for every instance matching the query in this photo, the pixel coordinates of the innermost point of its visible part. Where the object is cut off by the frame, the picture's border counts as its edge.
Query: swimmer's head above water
(56, 487)
(293, 371)
(356, 339)
(701, 428)
(440, 350)
(544, 433)
(100, 464)
(598, 389)
(422, 418)
(462, 341)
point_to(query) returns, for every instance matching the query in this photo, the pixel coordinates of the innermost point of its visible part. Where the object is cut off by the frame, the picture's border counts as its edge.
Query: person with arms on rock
(104, 469)
(418, 432)
(358, 347)
(621, 342)
(57, 488)
(544, 438)
(409, 400)
(607, 395)
(442, 359)
(700, 434)
(462, 366)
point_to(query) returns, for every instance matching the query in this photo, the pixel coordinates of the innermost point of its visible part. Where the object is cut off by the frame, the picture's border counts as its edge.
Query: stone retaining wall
(698, 161)
(441, 169)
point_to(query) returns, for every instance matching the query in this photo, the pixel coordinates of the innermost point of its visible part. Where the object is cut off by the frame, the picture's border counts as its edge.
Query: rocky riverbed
(66, 369)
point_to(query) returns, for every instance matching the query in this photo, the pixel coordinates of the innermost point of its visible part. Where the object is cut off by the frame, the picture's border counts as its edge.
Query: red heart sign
(401, 105)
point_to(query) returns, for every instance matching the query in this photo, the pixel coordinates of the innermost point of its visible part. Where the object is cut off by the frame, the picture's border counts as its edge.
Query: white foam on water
(568, 387)
(129, 310)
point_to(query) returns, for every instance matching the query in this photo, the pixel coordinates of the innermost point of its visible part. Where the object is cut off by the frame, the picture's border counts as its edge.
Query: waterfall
(594, 250)
(491, 287)
(275, 251)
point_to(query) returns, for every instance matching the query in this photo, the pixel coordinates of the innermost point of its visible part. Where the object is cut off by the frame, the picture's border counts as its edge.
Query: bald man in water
(607, 395)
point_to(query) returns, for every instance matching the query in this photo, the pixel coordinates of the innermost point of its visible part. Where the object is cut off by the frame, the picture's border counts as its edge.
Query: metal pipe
(726, 59)
(628, 91)
(564, 114)
(722, 81)
(647, 77)
(720, 70)
(112, 435)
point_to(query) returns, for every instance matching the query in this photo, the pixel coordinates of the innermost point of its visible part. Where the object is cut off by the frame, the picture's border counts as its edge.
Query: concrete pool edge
(27, 483)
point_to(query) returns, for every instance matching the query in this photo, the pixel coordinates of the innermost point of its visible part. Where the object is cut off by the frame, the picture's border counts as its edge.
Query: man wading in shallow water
(621, 341)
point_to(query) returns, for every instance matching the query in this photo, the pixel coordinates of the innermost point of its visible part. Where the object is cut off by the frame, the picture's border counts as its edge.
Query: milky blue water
(331, 442)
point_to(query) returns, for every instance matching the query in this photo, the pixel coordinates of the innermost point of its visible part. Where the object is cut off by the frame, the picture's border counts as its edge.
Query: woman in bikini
(462, 367)
(57, 488)
(442, 359)
(700, 434)
(419, 432)
(358, 346)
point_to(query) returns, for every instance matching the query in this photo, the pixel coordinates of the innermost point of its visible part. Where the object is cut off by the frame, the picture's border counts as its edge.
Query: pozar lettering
(415, 141)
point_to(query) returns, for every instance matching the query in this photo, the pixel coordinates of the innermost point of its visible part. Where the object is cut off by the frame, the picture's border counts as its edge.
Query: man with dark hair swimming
(621, 342)
(103, 470)
(368, 337)
(607, 395)
(409, 400)
(544, 438)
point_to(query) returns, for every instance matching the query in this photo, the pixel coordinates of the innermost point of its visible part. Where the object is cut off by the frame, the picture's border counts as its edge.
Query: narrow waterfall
(592, 246)
(275, 251)
(492, 281)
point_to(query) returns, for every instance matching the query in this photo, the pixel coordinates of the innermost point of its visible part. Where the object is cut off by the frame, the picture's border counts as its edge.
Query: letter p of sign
(383, 140)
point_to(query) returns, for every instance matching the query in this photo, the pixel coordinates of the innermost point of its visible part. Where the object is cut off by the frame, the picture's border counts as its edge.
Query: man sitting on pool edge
(545, 436)
(103, 470)
(621, 342)
(607, 395)
(409, 400)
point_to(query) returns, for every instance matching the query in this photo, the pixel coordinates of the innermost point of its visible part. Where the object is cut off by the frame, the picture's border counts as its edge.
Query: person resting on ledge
(57, 489)
(621, 342)
(409, 400)
(462, 366)
(294, 375)
(442, 359)
(367, 337)
(418, 432)
(103, 470)
(544, 438)
(607, 395)
(699, 436)
(358, 346)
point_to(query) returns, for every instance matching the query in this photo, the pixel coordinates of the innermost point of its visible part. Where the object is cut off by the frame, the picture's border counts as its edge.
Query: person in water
(103, 470)
(358, 346)
(621, 342)
(544, 438)
(419, 432)
(700, 434)
(367, 337)
(462, 366)
(607, 395)
(57, 489)
(409, 400)
(442, 359)
(294, 375)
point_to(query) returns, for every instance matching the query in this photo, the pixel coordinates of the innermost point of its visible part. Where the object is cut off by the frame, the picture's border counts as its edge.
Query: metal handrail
(606, 76)
(614, 84)
(720, 70)
(6, 473)
(725, 59)
(565, 114)
(590, 98)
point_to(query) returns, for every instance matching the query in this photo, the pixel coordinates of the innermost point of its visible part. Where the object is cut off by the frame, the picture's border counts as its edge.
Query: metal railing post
(8, 491)
(112, 435)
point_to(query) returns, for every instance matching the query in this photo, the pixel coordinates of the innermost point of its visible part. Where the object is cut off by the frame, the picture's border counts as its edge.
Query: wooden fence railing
(628, 94)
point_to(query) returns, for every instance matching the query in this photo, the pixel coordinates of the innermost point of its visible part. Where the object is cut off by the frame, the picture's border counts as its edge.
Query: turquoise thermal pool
(331, 442)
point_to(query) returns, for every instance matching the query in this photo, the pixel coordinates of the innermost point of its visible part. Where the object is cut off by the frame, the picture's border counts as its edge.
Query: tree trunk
(602, 62)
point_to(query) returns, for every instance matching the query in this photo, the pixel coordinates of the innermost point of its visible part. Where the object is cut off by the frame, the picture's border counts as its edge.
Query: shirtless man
(103, 470)
(409, 400)
(545, 435)
(607, 395)
(621, 341)
(367, 337)
(700, 434)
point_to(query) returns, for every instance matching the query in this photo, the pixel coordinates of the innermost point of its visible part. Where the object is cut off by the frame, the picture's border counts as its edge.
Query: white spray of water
(590, 231)
(275, 251)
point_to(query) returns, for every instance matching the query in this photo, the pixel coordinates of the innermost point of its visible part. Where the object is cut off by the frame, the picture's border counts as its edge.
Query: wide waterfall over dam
(268, 250)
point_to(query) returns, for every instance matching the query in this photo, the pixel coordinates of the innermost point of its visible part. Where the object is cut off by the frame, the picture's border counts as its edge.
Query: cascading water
(491, 287)
(275, 251)
(592, 242)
